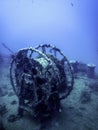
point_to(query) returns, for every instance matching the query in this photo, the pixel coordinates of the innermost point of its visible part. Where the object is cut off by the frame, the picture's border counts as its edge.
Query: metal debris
(41, 77)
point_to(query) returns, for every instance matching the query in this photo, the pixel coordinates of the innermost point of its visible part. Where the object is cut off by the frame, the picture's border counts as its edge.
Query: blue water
(69, 24)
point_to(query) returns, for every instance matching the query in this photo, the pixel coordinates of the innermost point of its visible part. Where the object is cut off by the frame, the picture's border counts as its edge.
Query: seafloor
(79, 109)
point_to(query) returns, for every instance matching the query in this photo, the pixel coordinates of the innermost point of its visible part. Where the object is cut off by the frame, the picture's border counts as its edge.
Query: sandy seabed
(79, 112)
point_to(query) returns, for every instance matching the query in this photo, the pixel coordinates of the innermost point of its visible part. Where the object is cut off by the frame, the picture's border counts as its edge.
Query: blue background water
(72, 25)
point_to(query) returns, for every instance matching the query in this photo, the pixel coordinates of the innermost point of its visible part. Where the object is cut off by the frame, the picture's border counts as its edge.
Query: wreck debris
(40, 79)
(5, 46)
(74, 65)
(91, 70)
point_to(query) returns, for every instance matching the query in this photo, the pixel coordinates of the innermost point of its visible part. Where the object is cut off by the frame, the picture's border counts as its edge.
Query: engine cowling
(41, 77)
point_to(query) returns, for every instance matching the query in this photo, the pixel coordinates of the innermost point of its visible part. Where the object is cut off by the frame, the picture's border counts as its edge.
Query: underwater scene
(48, 65)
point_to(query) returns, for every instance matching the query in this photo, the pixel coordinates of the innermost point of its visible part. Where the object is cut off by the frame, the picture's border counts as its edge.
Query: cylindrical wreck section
(41, 77)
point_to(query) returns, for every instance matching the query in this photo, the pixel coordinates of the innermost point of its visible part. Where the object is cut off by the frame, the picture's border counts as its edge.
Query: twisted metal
(52, 82)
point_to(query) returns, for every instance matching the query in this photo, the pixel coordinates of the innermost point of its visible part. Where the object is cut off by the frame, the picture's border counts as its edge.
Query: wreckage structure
(41, 77)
